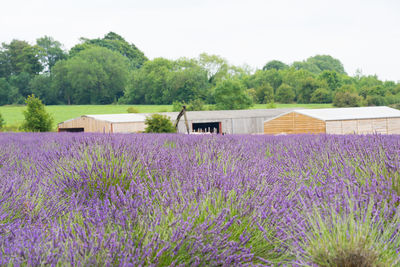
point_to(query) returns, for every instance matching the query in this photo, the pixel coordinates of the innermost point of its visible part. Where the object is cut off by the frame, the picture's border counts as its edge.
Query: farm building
(227, 121)
(363, 120)
(218, 121)
(108, 123)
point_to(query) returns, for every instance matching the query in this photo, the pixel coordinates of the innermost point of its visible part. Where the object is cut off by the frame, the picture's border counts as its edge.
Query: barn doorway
(71, 130)
(207, 127)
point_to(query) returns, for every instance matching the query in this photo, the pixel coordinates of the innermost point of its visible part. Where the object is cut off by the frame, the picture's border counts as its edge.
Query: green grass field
(13, 115)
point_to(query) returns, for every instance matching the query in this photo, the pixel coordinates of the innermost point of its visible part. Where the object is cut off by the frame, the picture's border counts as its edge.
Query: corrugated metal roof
(333, 114)
(229, 114)
(192, 115)
(114, 118)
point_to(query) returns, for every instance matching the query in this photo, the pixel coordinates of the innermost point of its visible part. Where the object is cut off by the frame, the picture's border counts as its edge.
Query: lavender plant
(170, 200)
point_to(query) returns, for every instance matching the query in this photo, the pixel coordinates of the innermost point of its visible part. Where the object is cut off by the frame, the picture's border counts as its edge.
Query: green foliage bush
(396, 106)
(177, 106)
(36, 117)
(158, 123)
(347, 99)
(375, 100)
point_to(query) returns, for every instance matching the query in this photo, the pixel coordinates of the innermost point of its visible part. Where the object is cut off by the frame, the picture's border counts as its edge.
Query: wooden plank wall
(365, 126)
(294, 123)
(334, 127)
(306, 124)
(282, 124)
(393, 126)
(89, 125)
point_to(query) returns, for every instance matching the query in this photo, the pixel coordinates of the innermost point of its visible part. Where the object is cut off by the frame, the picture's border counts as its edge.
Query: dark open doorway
(71, 130)
(207, 127)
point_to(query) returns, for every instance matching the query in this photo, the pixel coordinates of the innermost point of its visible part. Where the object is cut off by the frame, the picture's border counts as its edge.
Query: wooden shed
(108, 123)
(362, 120)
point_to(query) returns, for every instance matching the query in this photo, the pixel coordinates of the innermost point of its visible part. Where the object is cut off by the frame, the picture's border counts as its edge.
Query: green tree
(117, 44)
(4, 91)
(332, 78)
(36, 117)
(61, 84)
(5, 63)
(50, 51)
(295, 78)
(94, 76)
(308, 86)
(158, 123)
(20, 57)
(42, 86)
(231, 94)
(347, 99)
(195, 105)
(261, 78)
(217, 68)
(21, 82)
(321, 95)
(147, 84)
(2, 123)
(185, 82)
(275, 64)
(376, 100)
(319, 63)
(285, 94)
(264, 93)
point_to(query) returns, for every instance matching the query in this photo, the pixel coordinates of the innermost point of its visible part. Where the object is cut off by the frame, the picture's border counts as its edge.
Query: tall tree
(231, 94)
(21, 82)
(115, 43)
(276, 65)
(217, 67)
(285, 94)
(319, 63)
(21, 57)
(148, 83)
(94, 76)
(4, 91)
(43, 87)
(50, 51)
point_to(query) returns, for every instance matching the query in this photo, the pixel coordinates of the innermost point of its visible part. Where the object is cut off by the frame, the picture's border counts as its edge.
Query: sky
(363, 34)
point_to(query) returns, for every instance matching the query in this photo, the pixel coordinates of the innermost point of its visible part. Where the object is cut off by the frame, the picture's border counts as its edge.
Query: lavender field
(182, 200)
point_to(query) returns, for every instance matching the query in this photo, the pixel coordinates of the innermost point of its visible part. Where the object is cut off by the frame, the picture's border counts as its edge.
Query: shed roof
(115, 118)
(230, 114)
(192, 115)
(333, 114)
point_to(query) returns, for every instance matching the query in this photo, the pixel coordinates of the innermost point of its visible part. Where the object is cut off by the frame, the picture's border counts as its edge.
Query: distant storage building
(363, 120)
(216, 121)
(227, 121)
(108, 123)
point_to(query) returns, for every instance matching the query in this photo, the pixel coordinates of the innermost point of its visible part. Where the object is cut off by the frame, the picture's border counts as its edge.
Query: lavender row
(170, 200)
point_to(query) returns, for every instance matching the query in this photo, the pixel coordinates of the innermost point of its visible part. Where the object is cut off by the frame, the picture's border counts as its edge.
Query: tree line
(111, 70)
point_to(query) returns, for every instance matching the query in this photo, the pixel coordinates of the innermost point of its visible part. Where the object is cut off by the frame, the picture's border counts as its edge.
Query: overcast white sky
(362, 34)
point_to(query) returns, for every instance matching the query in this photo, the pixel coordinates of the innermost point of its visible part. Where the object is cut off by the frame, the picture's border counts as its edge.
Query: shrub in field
(158, 123)
(36, 117)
